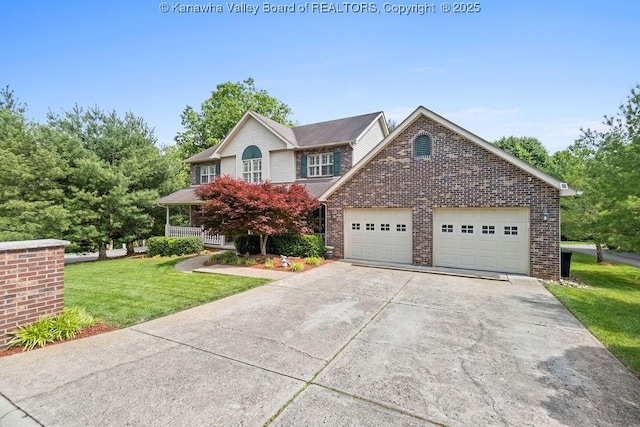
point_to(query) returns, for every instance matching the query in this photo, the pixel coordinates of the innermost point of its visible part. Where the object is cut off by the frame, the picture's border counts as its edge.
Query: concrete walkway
(337, 345)
(628, 258)
(196, 265)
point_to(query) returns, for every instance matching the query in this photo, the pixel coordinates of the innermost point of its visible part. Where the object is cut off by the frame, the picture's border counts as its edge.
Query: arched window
(422, 147)
(252, 164)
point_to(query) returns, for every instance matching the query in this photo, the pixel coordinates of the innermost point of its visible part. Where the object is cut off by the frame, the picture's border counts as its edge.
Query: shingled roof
(332, 132)
(340, 131)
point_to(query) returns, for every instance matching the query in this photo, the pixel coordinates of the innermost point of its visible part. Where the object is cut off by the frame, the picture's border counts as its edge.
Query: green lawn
(127, 291)
(609, 308)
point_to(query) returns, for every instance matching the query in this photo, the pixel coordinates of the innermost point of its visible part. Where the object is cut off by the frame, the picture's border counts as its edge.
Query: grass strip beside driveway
(609, 307)
(124, 292)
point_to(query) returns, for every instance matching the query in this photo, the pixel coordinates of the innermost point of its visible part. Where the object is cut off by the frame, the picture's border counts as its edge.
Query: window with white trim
(206, 174)
(252, 170)
(252, 164)
(320, 164)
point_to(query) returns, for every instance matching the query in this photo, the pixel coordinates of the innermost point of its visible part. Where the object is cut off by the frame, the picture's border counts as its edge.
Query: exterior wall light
(545, 214)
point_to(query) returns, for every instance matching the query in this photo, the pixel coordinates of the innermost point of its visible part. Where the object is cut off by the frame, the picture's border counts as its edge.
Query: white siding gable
(282, 165)
(254, 133)
(368, 140)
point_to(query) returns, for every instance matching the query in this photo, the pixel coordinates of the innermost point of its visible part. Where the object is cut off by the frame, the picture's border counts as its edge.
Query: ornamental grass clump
(297, 266)
(314, 260)
(50, 329)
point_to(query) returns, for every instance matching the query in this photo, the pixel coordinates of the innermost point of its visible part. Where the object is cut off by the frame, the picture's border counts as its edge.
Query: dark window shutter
(303, 166)
(198, 175)
(336, 163)
(217, 169)
(422, 146)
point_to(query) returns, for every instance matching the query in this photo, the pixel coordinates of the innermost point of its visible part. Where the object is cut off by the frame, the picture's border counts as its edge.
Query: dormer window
(252, 164)
(422, 147)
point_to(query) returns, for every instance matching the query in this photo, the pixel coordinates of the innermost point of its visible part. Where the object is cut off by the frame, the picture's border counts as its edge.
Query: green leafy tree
(117, 175)
(32, 176)
(606, 166)
(528, 149)
(222, 110)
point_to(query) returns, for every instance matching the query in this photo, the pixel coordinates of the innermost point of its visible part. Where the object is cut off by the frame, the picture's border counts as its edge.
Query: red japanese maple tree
(234, 206)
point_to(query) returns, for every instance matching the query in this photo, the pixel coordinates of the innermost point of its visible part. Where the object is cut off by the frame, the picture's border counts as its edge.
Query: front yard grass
(609, 307)
(124, 292)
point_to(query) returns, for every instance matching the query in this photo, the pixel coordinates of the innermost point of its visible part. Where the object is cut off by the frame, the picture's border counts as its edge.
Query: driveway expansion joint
(17, 409)
(333, 357)
(297, 350)
(221, 356)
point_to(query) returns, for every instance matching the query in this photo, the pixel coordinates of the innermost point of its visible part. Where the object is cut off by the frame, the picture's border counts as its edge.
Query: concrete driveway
(338, 345)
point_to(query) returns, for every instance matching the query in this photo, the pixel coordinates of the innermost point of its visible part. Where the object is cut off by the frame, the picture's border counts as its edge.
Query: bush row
(167, 246)
(298, 245)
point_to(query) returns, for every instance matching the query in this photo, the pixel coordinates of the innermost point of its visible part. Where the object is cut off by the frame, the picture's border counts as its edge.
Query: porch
(209, 239)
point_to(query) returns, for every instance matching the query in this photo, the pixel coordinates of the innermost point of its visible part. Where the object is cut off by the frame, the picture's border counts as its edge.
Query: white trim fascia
(236, 128)
(373, 122)
(422, 111)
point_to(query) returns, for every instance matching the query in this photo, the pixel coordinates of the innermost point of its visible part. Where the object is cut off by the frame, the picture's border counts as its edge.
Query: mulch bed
(276, 261)
(89, 331)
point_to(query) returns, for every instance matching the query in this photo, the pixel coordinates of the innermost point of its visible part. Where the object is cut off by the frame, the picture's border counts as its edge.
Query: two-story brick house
(430, 193)
(260, 149)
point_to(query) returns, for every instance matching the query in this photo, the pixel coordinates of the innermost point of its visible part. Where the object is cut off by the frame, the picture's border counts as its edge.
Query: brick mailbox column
(31, 283)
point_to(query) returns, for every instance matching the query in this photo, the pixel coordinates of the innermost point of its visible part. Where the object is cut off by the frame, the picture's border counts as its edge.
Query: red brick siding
(346, 157)
(31, 286)
(459, 173)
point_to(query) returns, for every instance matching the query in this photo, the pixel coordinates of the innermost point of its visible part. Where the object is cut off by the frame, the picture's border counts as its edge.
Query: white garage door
(482, 239)
(378, 235)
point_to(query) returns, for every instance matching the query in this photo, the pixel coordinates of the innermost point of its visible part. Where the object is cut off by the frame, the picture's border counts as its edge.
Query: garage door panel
(489, 263)
(384, 235)
(467, 245)
(494, 239)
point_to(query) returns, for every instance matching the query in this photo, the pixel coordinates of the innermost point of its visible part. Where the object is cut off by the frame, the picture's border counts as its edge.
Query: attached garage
(378, 235)
(482, 239)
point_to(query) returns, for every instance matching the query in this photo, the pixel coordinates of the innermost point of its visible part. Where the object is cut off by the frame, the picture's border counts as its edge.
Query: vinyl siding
(282, 165)
(369, 140)
(253, 133)
(228, 166)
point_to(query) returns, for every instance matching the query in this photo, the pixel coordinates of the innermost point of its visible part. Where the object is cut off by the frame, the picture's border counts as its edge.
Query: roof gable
(333, 132)
(272, 126)
(422, 111)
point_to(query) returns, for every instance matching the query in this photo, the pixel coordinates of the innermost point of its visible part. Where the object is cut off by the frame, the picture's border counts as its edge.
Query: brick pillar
(31, 282)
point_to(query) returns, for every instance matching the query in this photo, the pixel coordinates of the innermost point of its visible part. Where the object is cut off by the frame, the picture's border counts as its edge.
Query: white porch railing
(207, 238)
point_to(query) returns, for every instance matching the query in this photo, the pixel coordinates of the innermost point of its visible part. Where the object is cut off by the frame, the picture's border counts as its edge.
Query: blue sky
(523, 68)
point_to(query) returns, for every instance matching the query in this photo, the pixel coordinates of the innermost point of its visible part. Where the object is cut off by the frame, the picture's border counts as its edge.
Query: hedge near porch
(298, 245)
(168, 246)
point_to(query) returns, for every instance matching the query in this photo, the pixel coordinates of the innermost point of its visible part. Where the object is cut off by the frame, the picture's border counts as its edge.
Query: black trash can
(565, 262)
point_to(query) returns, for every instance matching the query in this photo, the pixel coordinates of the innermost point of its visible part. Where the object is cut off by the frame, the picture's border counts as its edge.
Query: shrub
(314, 260)
(49, 329)
(268, 263)
(250, 262)
(247, 244)
(297, 266)
(298, 245)
(168, 246)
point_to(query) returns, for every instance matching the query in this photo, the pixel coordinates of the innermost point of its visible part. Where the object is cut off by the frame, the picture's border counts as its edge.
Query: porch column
(166, 225)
